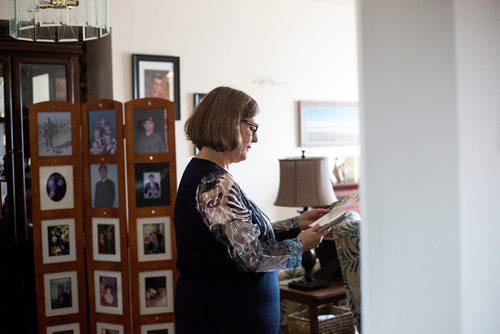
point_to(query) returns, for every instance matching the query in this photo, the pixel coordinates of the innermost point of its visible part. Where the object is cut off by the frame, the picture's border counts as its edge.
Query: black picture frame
(197, 97)
(160, 172)
(148, 68)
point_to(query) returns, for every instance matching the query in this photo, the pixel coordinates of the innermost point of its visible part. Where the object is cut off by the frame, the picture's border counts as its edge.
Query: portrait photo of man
(103, 179)
(149, 133)
(158, 85)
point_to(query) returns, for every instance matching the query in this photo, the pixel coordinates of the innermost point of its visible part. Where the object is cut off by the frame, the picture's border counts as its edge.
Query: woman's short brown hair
(215, 121)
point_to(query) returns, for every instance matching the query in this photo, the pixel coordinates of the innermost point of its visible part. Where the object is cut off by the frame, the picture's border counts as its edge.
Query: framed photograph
(150, 130)
(54, 133)
(64, 329)
(58, 240)
(165, 328)
(56, 187)
(328, 123)
(197, 97)
(61, 293)
(153, 239)
(106, 239)
(103, 181)
(156, 294)
(152, 185)
(107, 328)
(157, 76)
(108, 292)
(102, 132)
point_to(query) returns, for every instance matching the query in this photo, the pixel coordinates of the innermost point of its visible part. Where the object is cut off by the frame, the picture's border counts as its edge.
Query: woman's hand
(311, 238)
(310, 216)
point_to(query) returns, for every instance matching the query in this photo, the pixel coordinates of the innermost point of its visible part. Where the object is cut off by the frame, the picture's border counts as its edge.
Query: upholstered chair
(346, 235)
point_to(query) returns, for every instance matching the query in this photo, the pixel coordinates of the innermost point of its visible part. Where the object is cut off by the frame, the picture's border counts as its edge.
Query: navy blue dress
(227, 256)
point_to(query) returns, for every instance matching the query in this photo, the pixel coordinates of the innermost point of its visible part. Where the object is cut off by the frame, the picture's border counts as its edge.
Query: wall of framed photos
(103, 194)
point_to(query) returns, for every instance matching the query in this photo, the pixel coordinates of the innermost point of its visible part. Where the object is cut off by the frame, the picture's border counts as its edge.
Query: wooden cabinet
(29, 73)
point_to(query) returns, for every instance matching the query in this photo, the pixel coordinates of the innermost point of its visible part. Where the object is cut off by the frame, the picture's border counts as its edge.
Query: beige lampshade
(305, 182)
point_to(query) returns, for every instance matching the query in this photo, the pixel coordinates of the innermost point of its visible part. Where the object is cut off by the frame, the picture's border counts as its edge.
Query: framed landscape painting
(328, 123)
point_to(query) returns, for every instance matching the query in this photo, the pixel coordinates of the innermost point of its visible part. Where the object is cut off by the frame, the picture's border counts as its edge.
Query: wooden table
(333, 293)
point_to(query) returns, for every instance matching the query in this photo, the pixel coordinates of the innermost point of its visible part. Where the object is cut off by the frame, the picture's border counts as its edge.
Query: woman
(227, 253)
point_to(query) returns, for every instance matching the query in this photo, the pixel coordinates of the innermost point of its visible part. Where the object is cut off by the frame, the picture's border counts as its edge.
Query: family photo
(102, 132)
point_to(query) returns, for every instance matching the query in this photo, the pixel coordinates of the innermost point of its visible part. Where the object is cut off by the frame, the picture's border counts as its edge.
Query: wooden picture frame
(102, 132)
(58, 240)
(163, 328)
(156, 290)
(73, 328)
(54, 133)
(61, 293)
(157, 77)
(152, 185)
(104, 185)
(106, 245)
(150, 131)
(328, 123)
(154, 242)
(108, 292)
(56, 187)
(108, 328)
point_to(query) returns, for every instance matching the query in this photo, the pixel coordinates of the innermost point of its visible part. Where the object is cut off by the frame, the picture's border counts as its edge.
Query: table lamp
(305, 182)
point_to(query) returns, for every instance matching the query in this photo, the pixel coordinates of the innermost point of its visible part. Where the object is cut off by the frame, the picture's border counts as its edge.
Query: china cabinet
(29, 73)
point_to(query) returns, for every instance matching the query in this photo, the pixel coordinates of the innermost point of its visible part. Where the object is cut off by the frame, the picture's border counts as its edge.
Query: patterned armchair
(346, 235)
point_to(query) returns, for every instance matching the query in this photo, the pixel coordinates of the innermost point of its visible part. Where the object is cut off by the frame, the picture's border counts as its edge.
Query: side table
(333, 293)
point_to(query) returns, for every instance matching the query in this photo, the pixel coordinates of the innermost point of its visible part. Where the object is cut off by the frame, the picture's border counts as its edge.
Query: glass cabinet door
(6, 210)
(39, 82)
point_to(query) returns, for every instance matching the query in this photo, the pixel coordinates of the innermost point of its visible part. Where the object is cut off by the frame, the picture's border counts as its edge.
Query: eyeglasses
(253, 126)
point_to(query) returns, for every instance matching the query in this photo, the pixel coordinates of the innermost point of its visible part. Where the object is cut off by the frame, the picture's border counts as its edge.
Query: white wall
(5, 9)
(430, 92)
(278, 51)
(478, 87)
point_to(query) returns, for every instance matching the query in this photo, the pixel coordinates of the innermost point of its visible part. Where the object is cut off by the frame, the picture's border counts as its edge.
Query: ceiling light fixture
(59, 20)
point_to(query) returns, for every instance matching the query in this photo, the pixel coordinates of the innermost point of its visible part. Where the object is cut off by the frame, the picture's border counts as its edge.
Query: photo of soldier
(54, 133)
(105, 192)
(148, 139)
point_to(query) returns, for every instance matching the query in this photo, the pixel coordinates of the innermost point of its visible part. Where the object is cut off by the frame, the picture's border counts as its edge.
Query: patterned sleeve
(285, 225)
(252, 246)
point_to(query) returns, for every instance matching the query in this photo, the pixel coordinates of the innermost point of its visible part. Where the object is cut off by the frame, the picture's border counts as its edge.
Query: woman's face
(248, 136)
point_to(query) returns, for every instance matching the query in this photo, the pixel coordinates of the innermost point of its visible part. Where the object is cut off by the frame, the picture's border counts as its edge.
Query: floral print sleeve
(242, 227)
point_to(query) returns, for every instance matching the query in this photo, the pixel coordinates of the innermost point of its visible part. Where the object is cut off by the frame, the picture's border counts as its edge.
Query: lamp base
(305, 285)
